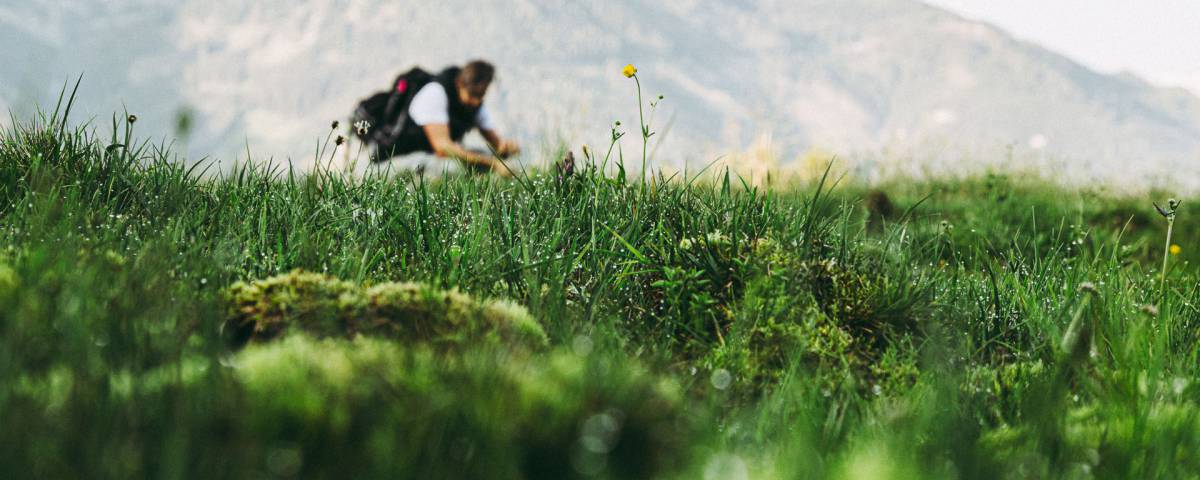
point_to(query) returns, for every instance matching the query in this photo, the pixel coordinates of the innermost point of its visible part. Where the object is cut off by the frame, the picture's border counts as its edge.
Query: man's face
(471, 96)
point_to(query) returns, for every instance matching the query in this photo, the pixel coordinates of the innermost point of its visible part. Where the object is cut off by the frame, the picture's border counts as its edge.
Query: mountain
(875, 78)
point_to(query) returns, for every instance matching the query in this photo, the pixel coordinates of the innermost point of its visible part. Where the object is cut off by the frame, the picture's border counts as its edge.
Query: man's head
(473, 82)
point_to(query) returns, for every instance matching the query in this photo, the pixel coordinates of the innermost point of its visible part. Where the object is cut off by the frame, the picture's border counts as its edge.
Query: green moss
(827, 316)
(775, 330)
(394, 408)
(324, 306)
(319, 304)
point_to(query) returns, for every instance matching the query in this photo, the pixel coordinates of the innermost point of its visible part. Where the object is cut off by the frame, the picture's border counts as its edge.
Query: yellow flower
(1175, 249)
(629, 71)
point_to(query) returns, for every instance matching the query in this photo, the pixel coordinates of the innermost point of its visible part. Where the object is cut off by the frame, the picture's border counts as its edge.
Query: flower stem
(642, 122)
(1166, 254)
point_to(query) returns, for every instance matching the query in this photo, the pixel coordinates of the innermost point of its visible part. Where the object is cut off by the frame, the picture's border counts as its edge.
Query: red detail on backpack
(402, 85)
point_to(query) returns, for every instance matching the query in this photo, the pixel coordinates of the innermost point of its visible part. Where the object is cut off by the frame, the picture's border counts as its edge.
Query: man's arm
(444, 146)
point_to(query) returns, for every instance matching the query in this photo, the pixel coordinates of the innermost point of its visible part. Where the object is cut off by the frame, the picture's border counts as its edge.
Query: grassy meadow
(262, 323)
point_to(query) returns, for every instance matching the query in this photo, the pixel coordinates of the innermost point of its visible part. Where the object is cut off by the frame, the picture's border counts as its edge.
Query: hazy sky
(1157, 39)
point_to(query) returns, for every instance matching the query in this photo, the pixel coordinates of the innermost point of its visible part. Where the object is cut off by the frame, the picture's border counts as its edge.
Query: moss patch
(324, 306)
(399, 410)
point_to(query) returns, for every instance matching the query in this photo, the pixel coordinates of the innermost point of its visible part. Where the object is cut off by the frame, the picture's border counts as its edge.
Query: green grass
(587, 327)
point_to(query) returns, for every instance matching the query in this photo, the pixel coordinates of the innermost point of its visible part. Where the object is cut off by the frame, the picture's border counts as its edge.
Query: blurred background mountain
(890, 80)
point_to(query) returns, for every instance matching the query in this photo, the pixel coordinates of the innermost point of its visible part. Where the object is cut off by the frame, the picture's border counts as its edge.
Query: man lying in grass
(431, 113)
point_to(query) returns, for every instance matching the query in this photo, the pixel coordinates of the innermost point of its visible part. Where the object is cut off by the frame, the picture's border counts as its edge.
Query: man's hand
(507, 148)
(504, 148)
(443, 146)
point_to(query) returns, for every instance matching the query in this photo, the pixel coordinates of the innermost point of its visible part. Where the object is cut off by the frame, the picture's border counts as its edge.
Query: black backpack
(387, 111)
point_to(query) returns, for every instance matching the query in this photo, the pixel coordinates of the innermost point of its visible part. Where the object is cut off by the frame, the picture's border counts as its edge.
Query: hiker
(431, 113)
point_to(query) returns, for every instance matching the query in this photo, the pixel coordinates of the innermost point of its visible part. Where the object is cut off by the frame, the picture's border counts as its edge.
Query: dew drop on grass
(228, 360)
(599, 433)
(721, 379)
(284, 461)
(582, 345)
(725, 466)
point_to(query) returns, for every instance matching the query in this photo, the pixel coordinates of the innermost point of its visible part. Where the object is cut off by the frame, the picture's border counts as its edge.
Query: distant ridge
(844, 75)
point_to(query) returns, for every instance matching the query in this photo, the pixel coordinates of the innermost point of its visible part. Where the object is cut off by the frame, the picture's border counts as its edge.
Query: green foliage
(577, 327)
(1001, 387)
(374, 408)
(371, 407)
(829, 316)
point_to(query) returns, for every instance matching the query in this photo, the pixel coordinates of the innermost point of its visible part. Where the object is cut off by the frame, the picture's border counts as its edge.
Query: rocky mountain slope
(874, 77)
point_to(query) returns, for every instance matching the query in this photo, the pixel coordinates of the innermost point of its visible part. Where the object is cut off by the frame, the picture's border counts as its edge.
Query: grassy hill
(267, 323)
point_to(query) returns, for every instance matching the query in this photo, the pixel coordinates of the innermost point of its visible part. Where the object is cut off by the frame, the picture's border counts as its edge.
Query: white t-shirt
(431, 107)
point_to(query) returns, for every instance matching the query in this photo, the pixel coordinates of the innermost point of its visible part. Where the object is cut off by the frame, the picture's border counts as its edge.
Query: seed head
(340, 140)
(132, 118)
(566, 167)
(1169, 212)
(334, 125)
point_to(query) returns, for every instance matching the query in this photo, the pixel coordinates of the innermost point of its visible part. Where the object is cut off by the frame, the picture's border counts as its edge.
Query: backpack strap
(403, 90)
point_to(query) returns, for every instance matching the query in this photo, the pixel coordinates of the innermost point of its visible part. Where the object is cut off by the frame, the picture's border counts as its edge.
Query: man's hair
(477, 74)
